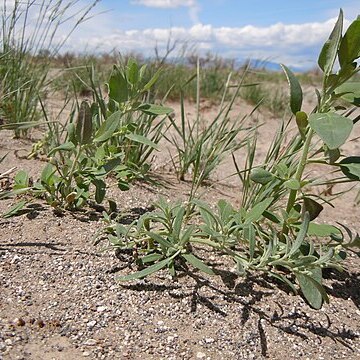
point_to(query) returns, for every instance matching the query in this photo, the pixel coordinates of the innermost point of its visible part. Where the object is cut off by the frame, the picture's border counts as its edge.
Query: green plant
(129, 95)
(103, 138)
(201, 146)
(168, 245)
(26, 50)
(273, 231)
(284, 178)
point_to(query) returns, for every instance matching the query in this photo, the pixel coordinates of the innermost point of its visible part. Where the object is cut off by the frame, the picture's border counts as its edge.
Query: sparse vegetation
(116, 132)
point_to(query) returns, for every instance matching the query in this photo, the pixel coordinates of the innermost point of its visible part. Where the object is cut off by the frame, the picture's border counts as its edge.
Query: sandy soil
(59, 297)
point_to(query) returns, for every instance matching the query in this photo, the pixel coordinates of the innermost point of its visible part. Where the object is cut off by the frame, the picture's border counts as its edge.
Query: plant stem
(298, 175)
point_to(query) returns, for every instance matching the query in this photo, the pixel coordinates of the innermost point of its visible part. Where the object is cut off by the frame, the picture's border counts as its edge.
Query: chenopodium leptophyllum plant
(274, 230)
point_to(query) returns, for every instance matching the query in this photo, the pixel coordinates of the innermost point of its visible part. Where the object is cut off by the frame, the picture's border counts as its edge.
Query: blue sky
(280, 30)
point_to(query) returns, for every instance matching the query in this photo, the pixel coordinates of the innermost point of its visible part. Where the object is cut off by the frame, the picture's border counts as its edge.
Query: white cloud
(165, 3)
(296, 44)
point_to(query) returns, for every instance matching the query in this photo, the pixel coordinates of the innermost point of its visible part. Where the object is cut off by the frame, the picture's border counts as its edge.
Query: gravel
(59, 300)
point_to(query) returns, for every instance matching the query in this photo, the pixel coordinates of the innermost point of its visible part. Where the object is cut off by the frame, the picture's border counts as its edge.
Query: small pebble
(91, 324)
(19, 322)
(90, 342)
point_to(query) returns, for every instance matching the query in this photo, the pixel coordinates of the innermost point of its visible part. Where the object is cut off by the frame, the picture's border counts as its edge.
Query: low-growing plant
(129, 92)
(274, 230)
(105, 137)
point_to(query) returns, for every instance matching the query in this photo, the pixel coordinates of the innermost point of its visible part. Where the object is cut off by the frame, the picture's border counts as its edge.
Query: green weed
(202, 144)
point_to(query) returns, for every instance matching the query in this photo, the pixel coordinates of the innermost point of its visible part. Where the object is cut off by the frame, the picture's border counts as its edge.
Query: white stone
(90, 342)
(91, 324)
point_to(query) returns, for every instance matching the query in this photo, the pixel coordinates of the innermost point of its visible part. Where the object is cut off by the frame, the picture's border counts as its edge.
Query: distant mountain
(267, 65)
(255, 64)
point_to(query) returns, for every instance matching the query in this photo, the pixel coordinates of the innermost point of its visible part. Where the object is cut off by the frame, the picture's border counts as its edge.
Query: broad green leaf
(350, 91)
(312, 207)
(322, 230)
(148, 271)
(350, 166)
(292, 184)
(256, 212)
(123, 185)
(151, 258)
(14, 210)
(296, 95)
(158, 238)
(207, 216)
(142, 71)
(118, 87)
(171, 268)
(196, 262)
(47, 173)
(329, 51)
(142, 140)
(151, 109)
(132, 72)
(112, 164)
(261, 176)
(108, 127)
(350, 45)
(225, 210)
(312, 288)
(21, 180)
(68, 146)
(332, 128)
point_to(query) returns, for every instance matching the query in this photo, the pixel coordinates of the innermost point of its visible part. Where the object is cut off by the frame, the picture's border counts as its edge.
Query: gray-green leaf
(194, 261)
(328, 53)
(141, 139)
(332, 128)
(311, 287)
(261, 176)
(296, 95)
(152, 109)
(108, 127)
(146, 272)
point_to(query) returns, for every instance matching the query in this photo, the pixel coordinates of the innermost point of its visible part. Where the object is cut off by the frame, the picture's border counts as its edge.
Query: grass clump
(27, 47)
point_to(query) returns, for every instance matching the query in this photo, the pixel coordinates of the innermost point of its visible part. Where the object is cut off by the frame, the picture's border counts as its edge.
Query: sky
(286, 31)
